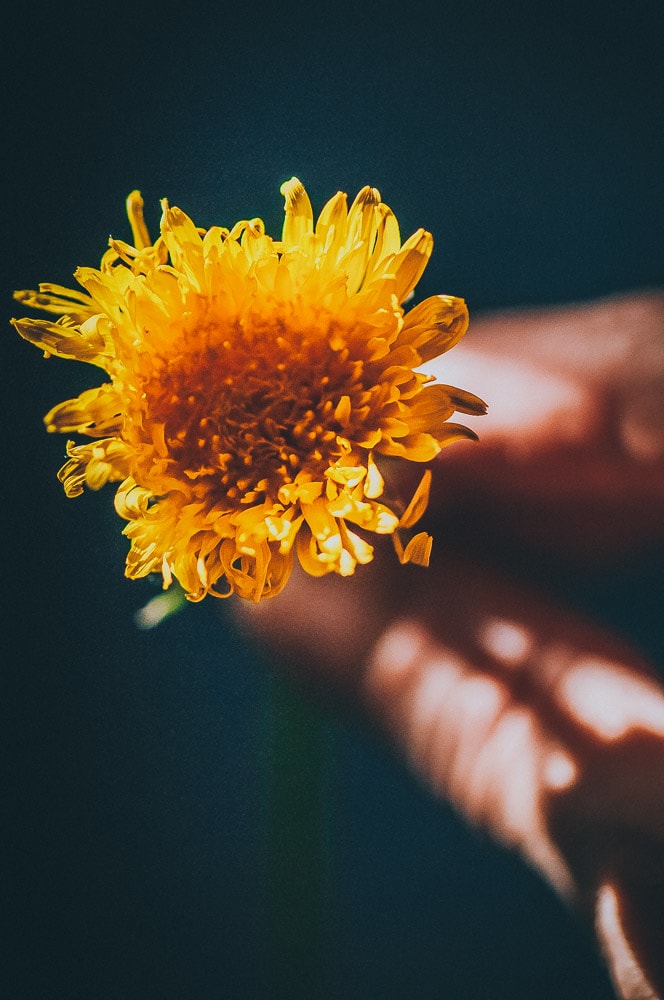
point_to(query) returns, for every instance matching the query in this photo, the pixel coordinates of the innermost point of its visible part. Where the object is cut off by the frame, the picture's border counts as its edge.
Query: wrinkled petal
(417, 551)
(435, 325)
(96, 412)
(61, 340)
(299, 221)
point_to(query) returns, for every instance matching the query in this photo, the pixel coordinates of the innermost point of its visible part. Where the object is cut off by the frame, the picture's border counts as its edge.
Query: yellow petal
(93, 465)
(131, 500)
(388, 237)
(323, 526)
(418, 504)
(435, 325)
(343, 410)
(331, 224)
(95, 412)
(63, 341)
(57, 299)
(418, 549)
(429, 410)
(374, 483)
(455, 432)
(464, 401)
(359, 549)
(299, 221)
(409, 264)
(360, 236)
(184, 244)
(361, 216)
(137, 222)
(310, 557)
(414, 447)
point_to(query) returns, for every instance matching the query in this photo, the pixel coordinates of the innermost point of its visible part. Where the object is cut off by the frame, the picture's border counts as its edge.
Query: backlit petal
(299, 220)
(435, 325)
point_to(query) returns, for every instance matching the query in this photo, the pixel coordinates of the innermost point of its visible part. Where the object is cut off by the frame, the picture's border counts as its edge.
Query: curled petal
(388, 238)
(145, 555)
(93, 465)
(322, 524)
(299, 221)
(418, 504)
(414, 447)
(63, 341)
(361, 234)
(418, 549)
(429, 410)
(184, 244)
(367, 514)
(59, 300)
(435, 325)
(131, 500)
(137, 222)
(464, 401)
(374, 483)
(357, 547)
(362, 217)
(456, 432)
(310, 557)
(96, 412)
(331, 223)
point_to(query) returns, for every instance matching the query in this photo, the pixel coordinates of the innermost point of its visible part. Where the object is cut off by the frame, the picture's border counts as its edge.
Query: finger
(541, 369)
(414, 662)
(579, 504)
(570, 460)
(537, 724)
(496, 694)
(609, 341)
(630, 941)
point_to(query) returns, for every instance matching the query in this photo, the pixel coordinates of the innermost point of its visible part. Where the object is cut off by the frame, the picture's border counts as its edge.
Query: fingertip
(610, 700)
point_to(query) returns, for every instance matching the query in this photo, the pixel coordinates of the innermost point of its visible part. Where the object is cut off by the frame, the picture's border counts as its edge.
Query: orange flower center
(242, 414)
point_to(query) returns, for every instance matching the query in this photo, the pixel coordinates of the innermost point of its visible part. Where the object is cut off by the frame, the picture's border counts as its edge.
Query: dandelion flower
(253, 388)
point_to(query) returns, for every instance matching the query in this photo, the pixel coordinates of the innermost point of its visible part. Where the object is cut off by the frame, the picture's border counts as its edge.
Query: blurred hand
(538, 724)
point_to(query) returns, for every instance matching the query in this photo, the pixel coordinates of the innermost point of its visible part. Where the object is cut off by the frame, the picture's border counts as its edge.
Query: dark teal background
(527, 139)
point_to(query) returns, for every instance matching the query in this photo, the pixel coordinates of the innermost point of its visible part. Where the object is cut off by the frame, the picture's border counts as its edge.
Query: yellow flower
(253, 387)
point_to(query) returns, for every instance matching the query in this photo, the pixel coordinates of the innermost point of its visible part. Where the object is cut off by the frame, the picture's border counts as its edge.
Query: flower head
(253, 388)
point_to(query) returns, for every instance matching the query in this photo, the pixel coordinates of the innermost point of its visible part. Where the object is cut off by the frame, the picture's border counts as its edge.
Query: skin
(541, 725)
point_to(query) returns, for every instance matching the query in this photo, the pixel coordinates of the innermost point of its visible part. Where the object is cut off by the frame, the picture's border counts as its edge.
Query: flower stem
(295, 845)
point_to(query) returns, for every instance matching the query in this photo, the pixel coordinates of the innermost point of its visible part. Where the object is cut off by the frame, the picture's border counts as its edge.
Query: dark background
(527, 139)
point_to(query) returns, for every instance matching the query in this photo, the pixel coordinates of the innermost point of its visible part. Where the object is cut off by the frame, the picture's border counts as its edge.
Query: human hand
(539, 724)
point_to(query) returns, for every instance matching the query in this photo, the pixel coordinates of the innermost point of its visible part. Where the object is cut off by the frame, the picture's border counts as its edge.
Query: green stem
(295, 848)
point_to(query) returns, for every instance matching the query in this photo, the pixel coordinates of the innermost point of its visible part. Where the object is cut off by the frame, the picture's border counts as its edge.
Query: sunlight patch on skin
(466, 721)
(642, 424)
(523, 399)
(625, 970)
(507, 783)
(429, 712)
(398, 647)
(507, 642)
(392, 659)
(513, 749)
(466, 740)
(610, 701)
(560, 771)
